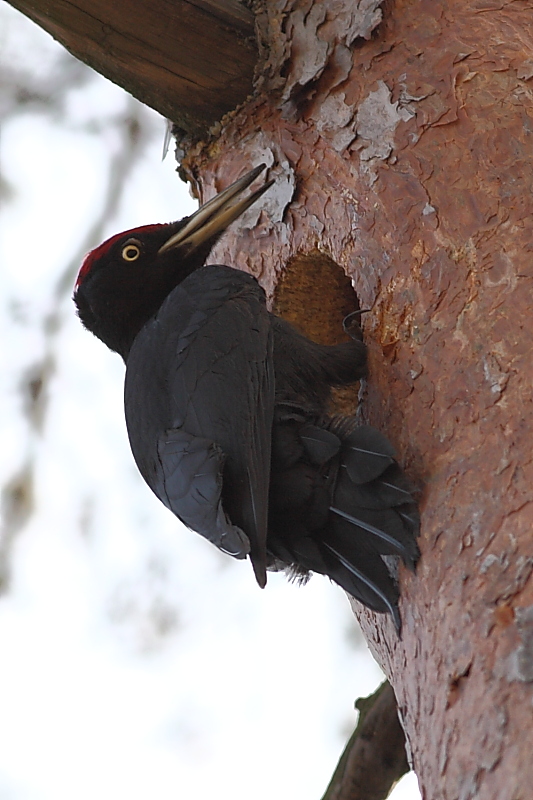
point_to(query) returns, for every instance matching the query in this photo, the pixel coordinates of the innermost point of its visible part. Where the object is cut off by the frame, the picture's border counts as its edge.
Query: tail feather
(382, 510)
(372, 586)
(365, 453)
(364, 575)
(347, 504)
(388, 490)
(386, 537)
(412, 519)
(321, 445)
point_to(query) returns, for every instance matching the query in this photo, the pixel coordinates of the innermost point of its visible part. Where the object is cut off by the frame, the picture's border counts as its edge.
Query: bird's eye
(131, 252)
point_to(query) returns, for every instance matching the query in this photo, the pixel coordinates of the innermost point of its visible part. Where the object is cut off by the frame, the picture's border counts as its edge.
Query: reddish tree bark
(406, 158)
(401, 134)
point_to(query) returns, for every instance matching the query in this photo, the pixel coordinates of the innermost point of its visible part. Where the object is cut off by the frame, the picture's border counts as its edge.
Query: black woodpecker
(226, 410)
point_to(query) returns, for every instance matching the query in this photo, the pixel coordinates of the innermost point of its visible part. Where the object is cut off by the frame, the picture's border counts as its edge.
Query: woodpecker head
(124, 281)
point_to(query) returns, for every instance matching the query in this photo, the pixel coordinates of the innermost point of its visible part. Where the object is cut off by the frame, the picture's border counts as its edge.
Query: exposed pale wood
(191, 61)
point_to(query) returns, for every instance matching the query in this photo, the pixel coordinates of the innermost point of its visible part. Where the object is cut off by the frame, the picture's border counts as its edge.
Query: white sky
(135, 660)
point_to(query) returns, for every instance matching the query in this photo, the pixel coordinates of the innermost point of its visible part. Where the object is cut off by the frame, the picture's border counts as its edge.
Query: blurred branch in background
(135, 133)
(46, 92)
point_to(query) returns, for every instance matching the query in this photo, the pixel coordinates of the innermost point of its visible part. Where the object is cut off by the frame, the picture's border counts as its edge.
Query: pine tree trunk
(401, 135)
(405, 159)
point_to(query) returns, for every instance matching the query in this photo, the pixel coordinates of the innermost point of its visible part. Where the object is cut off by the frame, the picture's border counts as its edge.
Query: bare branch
(374, 758)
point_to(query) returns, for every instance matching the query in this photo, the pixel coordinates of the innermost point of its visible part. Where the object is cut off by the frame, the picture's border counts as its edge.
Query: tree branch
(374, 758)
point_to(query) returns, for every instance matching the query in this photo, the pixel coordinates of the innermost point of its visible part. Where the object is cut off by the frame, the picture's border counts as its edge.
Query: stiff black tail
(339, 504)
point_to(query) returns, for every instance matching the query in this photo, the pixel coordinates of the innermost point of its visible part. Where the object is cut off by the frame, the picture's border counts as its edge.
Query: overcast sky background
(135, 659)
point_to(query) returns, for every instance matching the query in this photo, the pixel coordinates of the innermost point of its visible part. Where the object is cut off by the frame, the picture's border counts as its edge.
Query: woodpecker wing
(199, 399)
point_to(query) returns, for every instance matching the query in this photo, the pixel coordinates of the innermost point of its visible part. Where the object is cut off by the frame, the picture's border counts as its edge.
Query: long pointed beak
(219, 212)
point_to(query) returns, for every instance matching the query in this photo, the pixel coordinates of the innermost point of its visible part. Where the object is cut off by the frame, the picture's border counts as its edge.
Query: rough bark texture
(192, 60)
(401, 134)
(404, 155)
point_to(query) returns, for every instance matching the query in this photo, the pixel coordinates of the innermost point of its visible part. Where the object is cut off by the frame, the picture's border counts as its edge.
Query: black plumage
(227, 410)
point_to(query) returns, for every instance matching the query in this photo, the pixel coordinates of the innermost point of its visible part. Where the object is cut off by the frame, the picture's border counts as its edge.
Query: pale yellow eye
(131, 252)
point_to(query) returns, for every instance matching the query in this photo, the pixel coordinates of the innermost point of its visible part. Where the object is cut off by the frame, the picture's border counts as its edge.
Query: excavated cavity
(315, 294)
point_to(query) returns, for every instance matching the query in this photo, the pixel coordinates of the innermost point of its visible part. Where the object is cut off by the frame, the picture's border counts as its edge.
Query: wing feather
(200, 375)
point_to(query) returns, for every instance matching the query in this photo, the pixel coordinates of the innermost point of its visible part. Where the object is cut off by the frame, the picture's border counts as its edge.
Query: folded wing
(199, 398)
